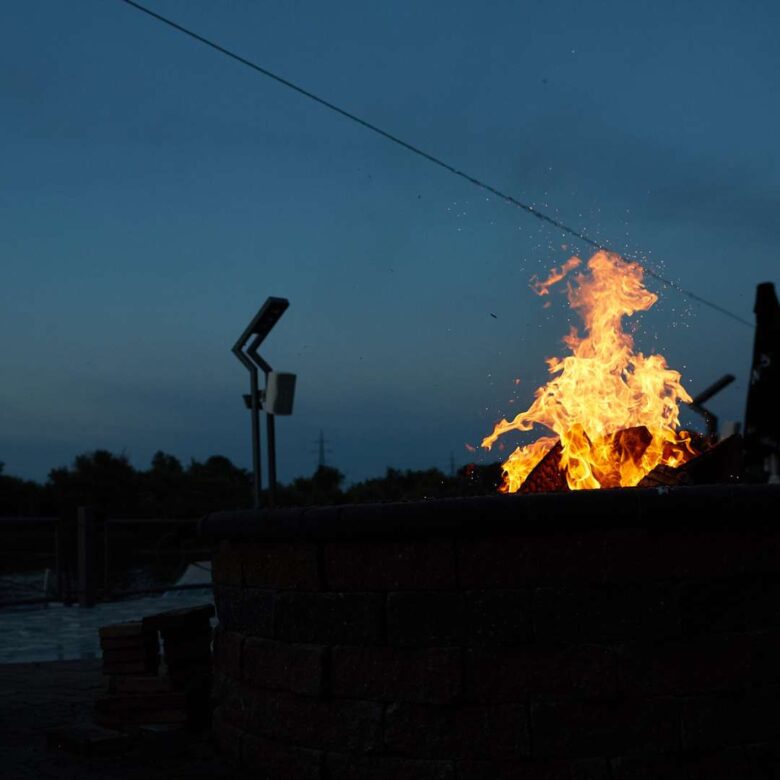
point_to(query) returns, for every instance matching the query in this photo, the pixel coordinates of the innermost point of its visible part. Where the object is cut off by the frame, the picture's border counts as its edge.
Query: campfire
(612, 412)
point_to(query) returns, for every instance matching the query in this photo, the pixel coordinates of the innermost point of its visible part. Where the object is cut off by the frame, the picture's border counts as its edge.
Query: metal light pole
(255, 424)
(270, 428)
(259, 327)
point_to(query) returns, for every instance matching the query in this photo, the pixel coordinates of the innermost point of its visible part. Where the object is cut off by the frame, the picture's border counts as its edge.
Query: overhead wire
(529, 209)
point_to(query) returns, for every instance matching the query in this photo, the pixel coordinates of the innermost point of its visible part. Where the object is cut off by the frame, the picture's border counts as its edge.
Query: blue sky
(154, 194)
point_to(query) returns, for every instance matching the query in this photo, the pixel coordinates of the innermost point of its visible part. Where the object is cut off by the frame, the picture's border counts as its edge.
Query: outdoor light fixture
(275, 398)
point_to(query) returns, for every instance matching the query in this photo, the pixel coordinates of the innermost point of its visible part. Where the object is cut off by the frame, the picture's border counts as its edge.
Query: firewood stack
(717, 463)
(139, 691)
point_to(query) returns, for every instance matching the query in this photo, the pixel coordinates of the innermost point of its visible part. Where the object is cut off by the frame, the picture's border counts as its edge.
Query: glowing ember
(614, 411)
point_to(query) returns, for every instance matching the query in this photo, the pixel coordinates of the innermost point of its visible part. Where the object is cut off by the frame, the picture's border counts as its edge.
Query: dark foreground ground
(38, 697)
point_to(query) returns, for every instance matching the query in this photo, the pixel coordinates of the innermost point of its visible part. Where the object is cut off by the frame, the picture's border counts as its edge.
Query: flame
(614, 411)
(556, 274)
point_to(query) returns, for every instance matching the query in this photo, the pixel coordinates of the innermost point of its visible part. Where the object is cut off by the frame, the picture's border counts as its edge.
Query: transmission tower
(322, 450)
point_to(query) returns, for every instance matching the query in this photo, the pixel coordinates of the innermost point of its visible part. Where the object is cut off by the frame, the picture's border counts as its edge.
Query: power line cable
(533, 211)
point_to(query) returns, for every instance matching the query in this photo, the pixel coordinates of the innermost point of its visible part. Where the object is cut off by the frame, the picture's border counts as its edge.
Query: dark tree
(99, 479)
(217, 484)
(111, 485)
(19, 496)
(163, 488)
(399, 485)
(323, 487)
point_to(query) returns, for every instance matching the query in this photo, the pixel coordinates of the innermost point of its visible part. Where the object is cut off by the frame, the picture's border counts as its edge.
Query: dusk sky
(154, 193)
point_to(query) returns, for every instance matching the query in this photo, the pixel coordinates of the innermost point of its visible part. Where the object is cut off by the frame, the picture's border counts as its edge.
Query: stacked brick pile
(140, 691)
(136, 694)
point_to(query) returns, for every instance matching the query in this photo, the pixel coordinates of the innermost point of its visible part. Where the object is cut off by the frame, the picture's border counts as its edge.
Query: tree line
(168, 489)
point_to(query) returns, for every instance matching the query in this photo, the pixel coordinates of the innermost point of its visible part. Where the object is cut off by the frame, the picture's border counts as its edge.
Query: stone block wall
(593, 650)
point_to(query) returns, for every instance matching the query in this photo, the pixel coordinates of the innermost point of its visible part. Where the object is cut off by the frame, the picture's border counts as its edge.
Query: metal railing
(36, 544)
(166, 547)
(92, 558)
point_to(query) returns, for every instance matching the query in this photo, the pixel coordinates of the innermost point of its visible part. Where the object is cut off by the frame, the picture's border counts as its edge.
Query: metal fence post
(86, 556)
(106, 564)
(58, 559)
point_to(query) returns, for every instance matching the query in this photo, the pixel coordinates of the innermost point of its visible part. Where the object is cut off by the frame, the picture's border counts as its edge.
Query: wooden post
(106, 564)
(87, 558)
(58, 558)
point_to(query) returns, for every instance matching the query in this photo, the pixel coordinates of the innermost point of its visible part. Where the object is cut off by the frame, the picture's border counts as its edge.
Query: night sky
(154, 193)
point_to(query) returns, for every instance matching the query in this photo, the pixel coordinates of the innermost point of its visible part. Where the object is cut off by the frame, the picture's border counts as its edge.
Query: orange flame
(543, 288)
(614, 411)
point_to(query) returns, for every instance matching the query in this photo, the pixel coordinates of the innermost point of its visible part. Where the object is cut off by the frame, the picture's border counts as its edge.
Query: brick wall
(605, 653)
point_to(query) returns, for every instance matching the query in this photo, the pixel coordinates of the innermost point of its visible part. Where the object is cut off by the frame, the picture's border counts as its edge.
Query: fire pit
(613, 412)
(605, 621)
(632, 632)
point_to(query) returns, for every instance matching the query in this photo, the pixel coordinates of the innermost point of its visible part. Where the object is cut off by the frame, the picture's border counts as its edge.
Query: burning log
(717, 464)
(723, 462)
(630, 444)
(665, 476)
(546, 475)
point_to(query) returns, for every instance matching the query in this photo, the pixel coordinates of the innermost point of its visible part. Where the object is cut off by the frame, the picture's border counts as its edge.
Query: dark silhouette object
(762, 413)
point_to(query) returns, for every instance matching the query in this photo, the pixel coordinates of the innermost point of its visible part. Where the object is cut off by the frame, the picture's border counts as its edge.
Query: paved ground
(60, 633)
(36, 697)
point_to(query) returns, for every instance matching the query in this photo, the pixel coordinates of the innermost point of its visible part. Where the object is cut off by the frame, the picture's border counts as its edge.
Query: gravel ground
(37, 697)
